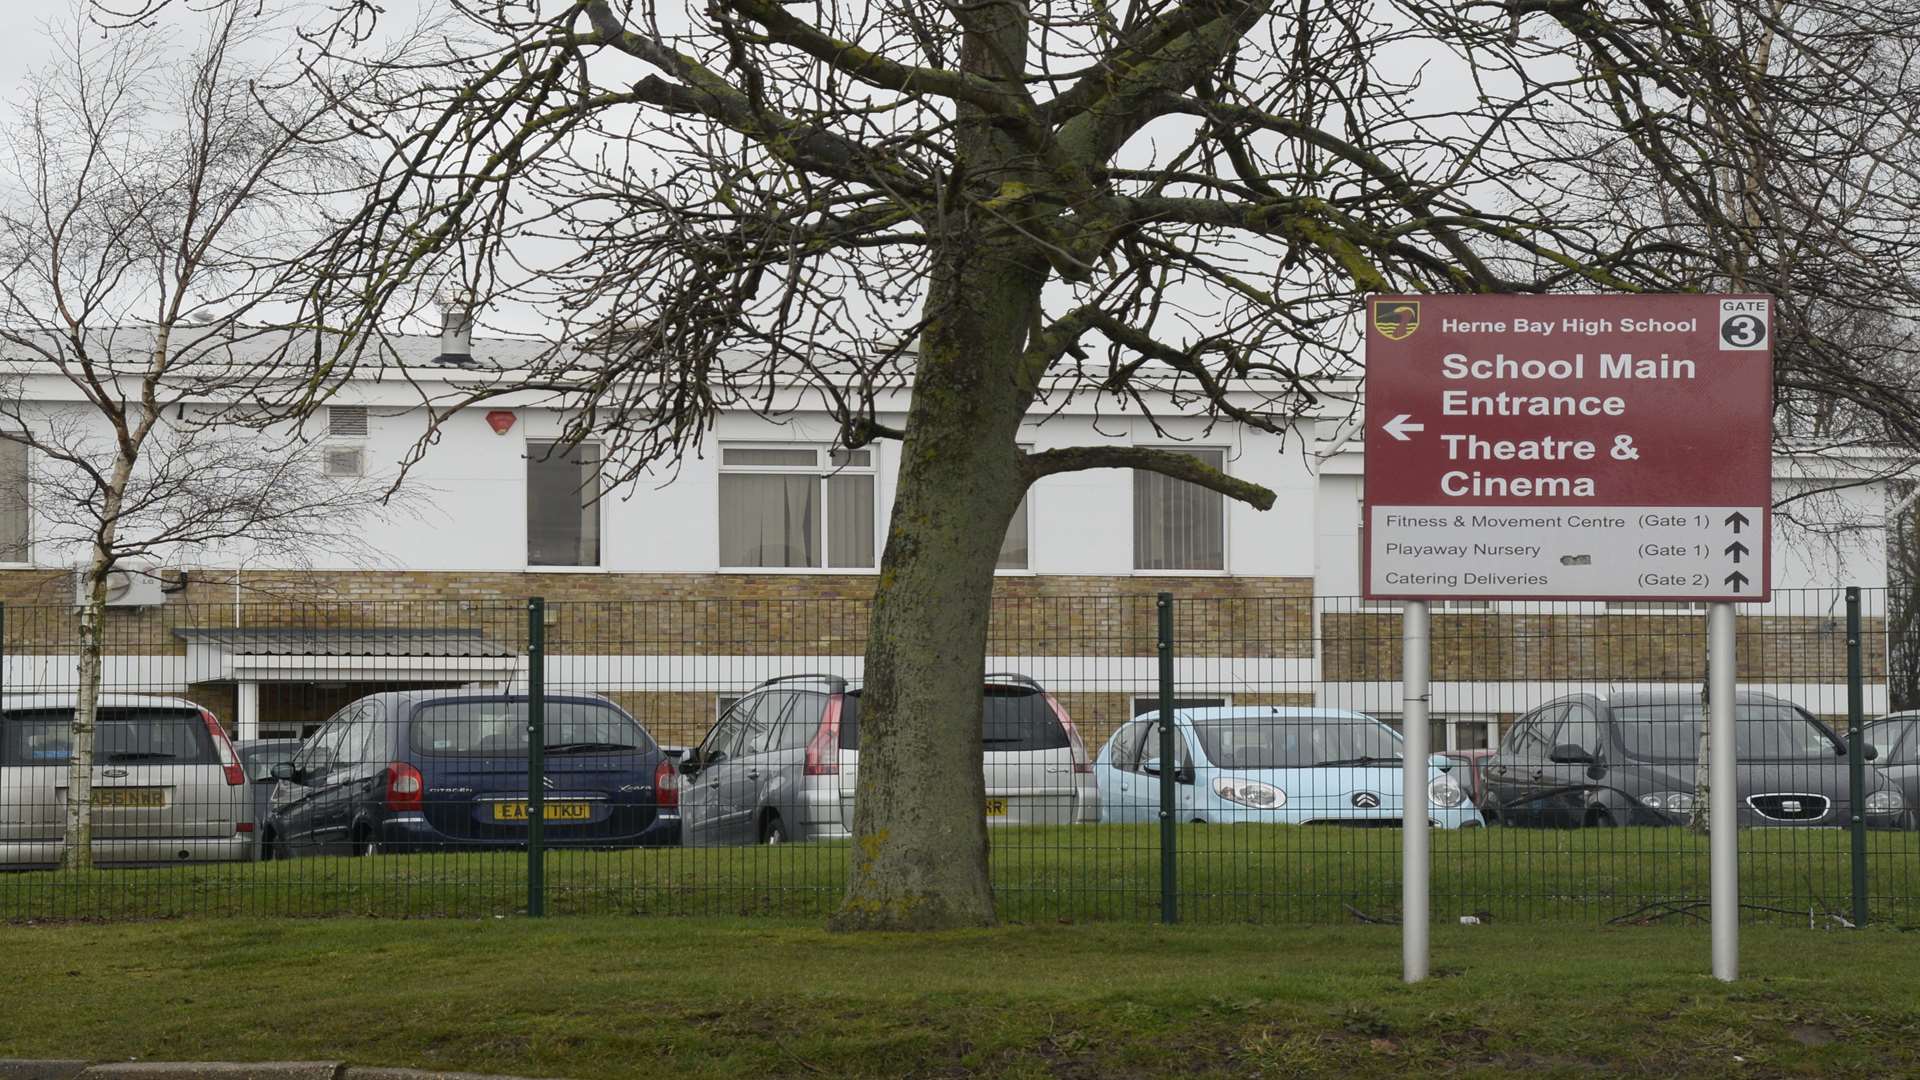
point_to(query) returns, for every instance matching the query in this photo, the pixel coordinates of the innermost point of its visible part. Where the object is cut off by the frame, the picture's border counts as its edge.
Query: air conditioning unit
(132, 586)
(344, 461)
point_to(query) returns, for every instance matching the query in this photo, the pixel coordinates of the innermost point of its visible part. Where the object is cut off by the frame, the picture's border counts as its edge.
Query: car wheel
(773, 830)
(364, 843)
(1599, 819)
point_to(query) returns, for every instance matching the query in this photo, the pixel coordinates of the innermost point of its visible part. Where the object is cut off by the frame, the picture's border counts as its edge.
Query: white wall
(463, 506)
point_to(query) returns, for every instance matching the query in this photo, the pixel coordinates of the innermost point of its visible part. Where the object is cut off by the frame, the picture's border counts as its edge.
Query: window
(1581, 729)
(1177, 525)
(799, 507)
(1452, 732)
(563, 504)
(1013, 549)
(14, 518)
(1126, 747)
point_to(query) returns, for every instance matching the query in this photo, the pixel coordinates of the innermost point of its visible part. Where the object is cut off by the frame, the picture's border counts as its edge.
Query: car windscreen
(499, 728)
(1760, 732)
(1295, 742)
(122, 736)
(1013, 719)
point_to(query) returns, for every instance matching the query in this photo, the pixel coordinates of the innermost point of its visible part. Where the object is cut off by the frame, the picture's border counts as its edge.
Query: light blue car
(1274, 764)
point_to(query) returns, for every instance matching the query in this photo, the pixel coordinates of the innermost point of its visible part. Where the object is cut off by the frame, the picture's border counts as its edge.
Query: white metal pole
(1415, 862)
(1722, 788)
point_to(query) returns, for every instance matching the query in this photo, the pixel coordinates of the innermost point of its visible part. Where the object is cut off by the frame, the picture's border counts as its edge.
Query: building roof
(370, 641)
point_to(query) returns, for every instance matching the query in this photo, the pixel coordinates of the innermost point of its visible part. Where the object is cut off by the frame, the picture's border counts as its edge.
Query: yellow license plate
(553, 811)
(129, 796)
(996, 808)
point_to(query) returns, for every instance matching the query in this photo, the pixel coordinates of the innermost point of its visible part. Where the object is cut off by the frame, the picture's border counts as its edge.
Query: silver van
(167, 785)
(783, 761)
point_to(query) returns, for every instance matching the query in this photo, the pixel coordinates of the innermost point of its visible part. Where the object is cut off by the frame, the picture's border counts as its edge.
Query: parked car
(444, 770)
(1629, 758)
(1894, 748)
(783, 762)
(1467, 769)
(1274, 764)
(257, 758)
(167, 785)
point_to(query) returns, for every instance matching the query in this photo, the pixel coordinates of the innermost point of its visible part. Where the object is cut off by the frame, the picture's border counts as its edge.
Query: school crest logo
(1396, 319)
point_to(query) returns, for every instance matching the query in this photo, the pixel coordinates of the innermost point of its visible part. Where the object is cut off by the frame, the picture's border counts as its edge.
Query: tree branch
(1165, 462)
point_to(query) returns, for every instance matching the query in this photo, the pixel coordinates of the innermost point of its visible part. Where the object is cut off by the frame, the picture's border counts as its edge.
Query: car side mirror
(1869, 752)
(285, 771)
(1151, 766)
(1569, 754)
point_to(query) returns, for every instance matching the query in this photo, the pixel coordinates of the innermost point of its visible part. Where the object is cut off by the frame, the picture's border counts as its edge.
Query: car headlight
(1445, 791)
(1249, 793)
(1674, 802)
(1886, 801)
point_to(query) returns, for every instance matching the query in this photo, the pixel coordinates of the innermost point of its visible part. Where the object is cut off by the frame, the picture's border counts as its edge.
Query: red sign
(1595, 411)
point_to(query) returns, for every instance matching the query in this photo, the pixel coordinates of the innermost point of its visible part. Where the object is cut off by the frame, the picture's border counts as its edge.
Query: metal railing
(500, 756)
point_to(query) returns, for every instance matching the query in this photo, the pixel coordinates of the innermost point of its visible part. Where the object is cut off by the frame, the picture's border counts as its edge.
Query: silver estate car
(783, 762)
(167, 785)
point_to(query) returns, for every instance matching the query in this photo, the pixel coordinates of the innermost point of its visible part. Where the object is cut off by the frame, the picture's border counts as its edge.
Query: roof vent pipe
(456, 330)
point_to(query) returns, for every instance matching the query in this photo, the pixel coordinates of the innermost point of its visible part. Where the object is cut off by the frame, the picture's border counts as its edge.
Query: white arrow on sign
(1398, 427)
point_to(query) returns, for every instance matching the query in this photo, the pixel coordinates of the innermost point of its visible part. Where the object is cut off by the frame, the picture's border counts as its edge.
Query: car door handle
(753, 776)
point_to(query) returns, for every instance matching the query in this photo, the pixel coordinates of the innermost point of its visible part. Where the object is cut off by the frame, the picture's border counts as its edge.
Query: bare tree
(1006, 205)
(155, 215)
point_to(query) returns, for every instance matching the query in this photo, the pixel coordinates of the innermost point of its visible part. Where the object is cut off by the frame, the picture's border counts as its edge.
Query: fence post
(536, 756)
(1169, 769)
(1856, 757)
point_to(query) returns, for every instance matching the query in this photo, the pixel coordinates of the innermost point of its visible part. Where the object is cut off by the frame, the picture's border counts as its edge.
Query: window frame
(1226, 519)
(824, 470)
(599, 566)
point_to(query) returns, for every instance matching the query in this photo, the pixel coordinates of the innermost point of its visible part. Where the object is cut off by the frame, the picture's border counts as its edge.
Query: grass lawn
(1228, 874)
(623, 997)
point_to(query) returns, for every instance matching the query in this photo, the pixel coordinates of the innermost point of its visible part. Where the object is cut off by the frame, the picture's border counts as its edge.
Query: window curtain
(1177, 525)
(15, 527)
(769, 520)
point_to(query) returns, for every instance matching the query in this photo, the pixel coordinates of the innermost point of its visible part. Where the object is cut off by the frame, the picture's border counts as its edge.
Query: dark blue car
(444, 770)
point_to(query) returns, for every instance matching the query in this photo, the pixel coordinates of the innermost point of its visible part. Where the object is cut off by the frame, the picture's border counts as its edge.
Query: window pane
(770, 520)
(805, 459)
(13, 501)
(1013, 549)
(851, 515)
(563, 505)
(855, 458)
(1177, 525)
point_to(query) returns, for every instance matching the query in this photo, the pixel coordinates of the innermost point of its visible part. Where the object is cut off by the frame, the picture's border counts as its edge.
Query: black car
(1629, 758)
(444, 770)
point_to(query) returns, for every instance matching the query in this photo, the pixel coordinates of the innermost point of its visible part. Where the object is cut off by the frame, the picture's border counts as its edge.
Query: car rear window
(1013, 718)
(499, 727)
(122, 736)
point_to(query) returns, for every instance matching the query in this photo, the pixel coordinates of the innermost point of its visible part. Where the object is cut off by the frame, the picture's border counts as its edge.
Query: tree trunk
(77, 853)
(919, 858)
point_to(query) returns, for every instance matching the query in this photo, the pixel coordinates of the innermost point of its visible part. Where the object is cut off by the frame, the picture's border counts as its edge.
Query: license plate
(129, 796)
(996, 808)
(553, 811)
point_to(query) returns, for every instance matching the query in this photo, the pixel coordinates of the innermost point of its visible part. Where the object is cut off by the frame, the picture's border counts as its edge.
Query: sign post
(1595, 448)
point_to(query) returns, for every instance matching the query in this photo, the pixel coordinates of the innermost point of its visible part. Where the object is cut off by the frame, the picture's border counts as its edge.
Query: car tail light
(1081, 762)
(243, 826)
(823, 750)
(229, 761)
(666, 785)
(404, 786)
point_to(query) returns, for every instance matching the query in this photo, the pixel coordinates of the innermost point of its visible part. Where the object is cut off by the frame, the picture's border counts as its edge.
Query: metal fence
(701, 756)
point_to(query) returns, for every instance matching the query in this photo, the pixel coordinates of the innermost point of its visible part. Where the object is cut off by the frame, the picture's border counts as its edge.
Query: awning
(367, 654)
